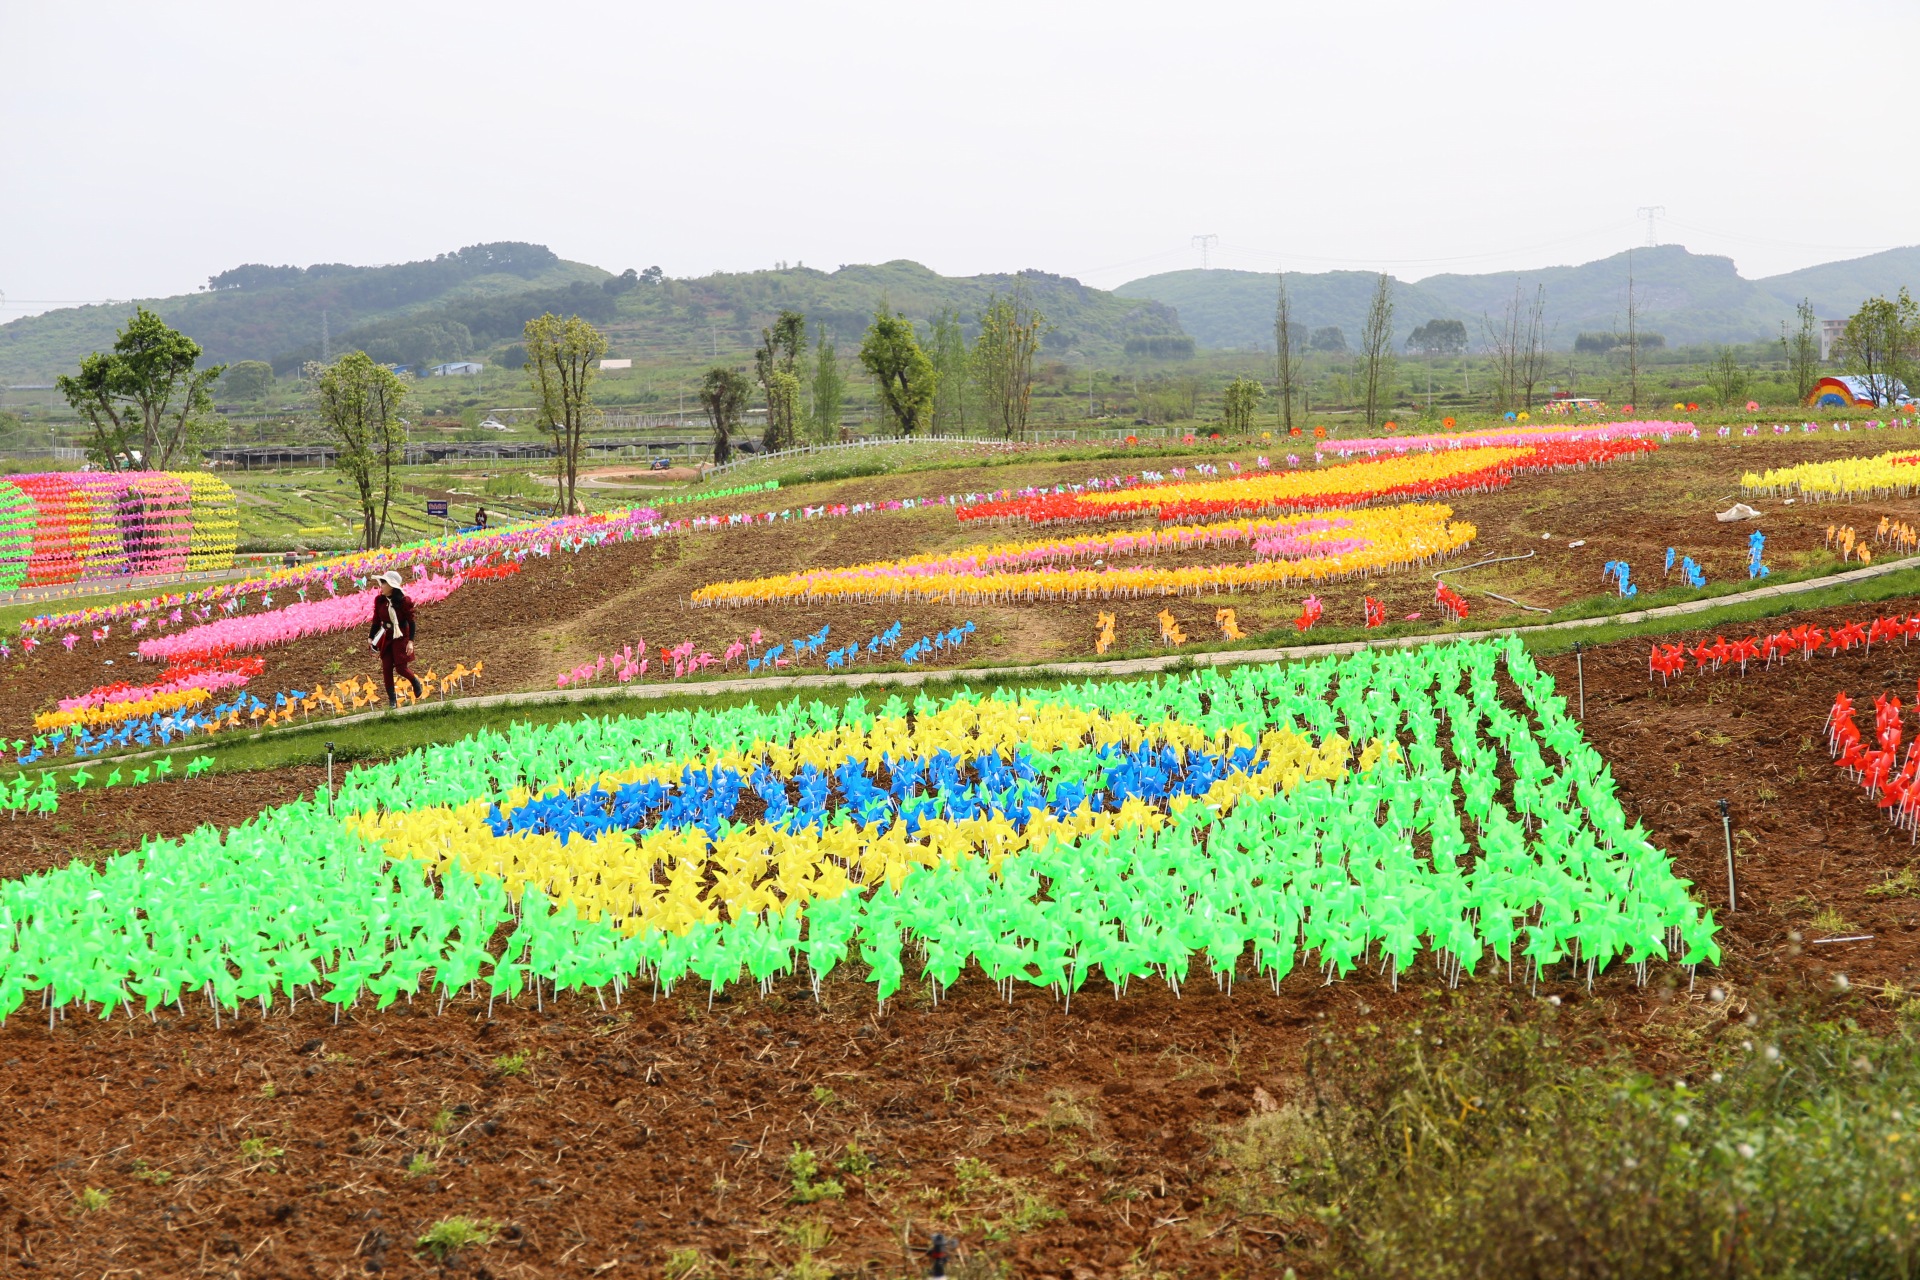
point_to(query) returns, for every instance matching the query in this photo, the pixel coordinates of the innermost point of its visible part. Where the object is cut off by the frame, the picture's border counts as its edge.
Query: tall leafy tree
(902, 374)
(361, 403)
(1010, 332)
(1878, 345)
(724, 394)
(1243, 396)
(1376, 350)
(561, 357)
(144, 396)
(828, 390)
(949, 355)
(775, 364)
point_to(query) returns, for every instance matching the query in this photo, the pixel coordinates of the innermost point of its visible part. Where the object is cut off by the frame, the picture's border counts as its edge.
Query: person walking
(392, 635)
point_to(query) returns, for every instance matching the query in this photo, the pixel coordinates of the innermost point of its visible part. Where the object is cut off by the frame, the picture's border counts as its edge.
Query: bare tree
(1517, 348)
(1633, 337)
(1376, 350)
(1802, 348)
(1287, 361)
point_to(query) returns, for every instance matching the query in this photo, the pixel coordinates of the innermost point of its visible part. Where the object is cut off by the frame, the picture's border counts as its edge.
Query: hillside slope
(1685, 296)
(257, 312)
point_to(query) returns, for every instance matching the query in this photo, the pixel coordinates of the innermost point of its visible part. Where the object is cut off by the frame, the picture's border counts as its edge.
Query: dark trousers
(393, 658)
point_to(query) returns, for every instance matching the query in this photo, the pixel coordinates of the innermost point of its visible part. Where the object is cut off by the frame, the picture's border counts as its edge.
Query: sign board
(437, 510)
(616, 364)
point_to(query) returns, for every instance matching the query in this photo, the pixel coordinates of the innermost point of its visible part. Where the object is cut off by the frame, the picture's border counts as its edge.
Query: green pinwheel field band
(1412, 850)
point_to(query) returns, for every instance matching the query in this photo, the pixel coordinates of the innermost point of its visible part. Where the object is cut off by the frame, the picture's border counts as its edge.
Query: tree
(1329, 339)
(1243, 395)
(1633, 336)
(724, 395)
(142, 396)
(902, 374)
(1286, 337)
(774, 364)
(1726, 376)
(829, 389)
(949, 355)
(1517, 347)
(246, 380)
(1376, 349)
(1010, 332)
(1438, 338)
(361, 402)
(1878, 345)
(1802, 348)
(561, 355)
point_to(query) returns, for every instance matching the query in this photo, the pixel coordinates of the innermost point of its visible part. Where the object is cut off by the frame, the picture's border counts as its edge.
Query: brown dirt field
(1055, 1144)
(664, 1126)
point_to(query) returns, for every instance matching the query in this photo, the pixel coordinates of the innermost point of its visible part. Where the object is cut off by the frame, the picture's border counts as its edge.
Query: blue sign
(437, 509)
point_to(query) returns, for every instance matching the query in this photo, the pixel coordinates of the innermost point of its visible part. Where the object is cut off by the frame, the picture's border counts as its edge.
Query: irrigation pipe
(1530, 608)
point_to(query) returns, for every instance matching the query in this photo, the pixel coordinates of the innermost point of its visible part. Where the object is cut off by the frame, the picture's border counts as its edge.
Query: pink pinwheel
(733, 651)
(70, 640)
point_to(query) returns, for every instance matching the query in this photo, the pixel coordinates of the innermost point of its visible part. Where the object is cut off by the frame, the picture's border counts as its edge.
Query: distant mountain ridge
(475, 302)
(1686, 297)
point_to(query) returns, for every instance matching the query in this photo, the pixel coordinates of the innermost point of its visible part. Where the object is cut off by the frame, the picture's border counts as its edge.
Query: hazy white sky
(144, 147)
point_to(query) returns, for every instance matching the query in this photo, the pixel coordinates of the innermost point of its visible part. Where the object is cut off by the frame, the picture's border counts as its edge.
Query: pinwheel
(1103, 637)
(1884, 476)
(1228, 623)
(1756, 547)
(1472, 470)
(1113, 829)
(1367, 541)
(259, 631)
(1310, 611)
(1170, 632)
(1375, 613)
(1522, 436)
(1450, 601)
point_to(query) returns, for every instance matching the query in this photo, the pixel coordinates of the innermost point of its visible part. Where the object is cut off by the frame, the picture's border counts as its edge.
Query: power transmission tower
(1205, 245)
(1650, 212)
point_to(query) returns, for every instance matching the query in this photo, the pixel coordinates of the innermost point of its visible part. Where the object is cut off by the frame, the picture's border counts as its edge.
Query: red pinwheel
(1375, 611)
(1450, 600)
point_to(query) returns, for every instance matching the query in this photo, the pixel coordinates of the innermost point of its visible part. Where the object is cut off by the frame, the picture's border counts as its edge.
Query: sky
(145, 147)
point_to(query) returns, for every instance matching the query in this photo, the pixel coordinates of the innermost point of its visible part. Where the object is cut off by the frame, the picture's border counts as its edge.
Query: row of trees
(937, 385)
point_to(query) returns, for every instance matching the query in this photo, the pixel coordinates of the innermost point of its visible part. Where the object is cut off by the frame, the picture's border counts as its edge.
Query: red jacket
(382, 623)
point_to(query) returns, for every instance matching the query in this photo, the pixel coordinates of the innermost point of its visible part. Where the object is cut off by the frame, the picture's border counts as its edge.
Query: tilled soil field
(1051, 1142)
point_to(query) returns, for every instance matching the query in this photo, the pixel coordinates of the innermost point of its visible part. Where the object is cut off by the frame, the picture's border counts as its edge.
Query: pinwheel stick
(1726, 829)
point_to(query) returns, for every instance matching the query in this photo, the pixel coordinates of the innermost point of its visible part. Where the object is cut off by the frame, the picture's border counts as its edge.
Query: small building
(616, 364)
(462, 367)
(1845, 391)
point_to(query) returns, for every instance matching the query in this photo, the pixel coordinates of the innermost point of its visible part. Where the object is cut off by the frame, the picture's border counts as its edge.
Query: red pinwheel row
(1806, 640)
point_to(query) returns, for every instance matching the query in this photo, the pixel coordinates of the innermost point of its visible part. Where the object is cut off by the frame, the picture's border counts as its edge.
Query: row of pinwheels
(1886, 475)
(1310, 549)
(1348, 484)
(64, 526)
(1382, 809)
(1805, 640)
(1508, 437)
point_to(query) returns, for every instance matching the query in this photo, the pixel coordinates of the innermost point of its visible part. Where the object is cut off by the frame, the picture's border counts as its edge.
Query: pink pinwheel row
(1509, 437)
(262, 630)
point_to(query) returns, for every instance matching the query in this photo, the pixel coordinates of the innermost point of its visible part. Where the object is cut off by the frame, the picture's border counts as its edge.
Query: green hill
(475, 303)
(257, 312)
(1686, 297)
